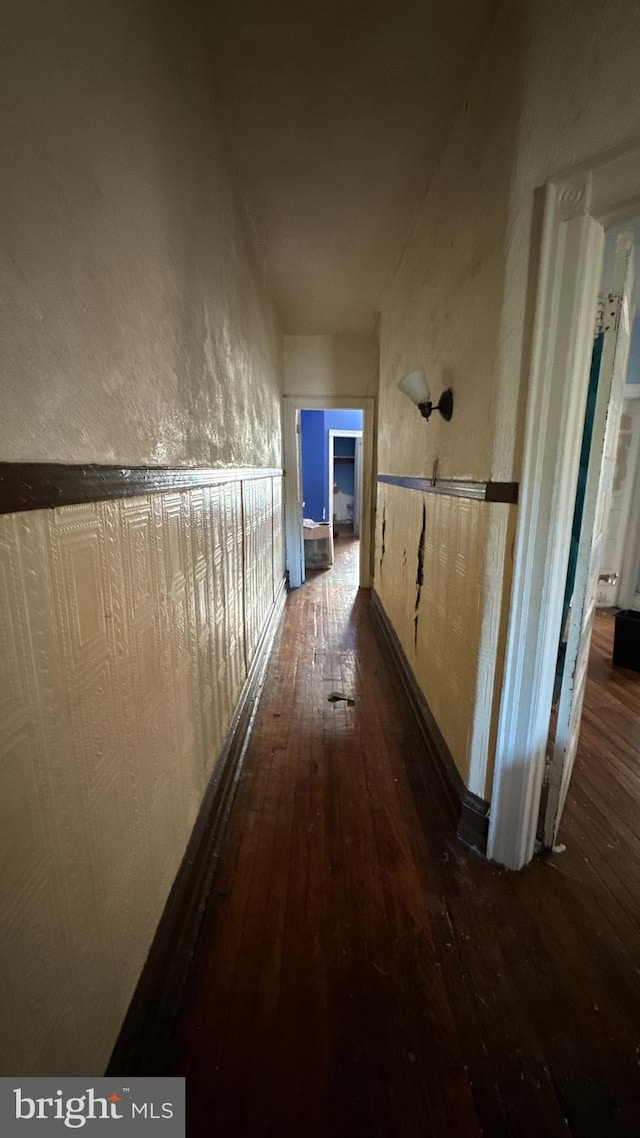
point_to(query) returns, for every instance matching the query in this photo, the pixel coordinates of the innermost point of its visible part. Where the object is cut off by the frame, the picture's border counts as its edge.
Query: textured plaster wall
(442, 589)
(552, 85)
(135, 330)
(125, 635)
(341, 364)
(135, 327)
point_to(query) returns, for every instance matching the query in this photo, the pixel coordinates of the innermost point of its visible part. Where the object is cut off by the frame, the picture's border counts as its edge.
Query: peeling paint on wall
(384, 527)
(419, 573)
(458, 645)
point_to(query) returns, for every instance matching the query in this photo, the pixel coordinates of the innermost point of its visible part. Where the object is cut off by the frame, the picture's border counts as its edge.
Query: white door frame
(615, 328)
(294, 540)
(579, 204)
(357, 487)
(340, 434)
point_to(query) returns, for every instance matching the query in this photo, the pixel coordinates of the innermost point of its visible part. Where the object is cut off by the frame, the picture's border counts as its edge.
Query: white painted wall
(338, 113)
(341, 364)
(135, 327)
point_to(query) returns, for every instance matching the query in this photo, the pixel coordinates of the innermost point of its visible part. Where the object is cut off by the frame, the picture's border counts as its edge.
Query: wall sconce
(416, 387)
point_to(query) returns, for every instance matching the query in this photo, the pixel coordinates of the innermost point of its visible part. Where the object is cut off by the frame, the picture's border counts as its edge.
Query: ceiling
(338, 112)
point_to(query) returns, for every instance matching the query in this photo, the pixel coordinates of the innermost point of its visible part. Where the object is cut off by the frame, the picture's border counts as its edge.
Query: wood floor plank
(359, 972)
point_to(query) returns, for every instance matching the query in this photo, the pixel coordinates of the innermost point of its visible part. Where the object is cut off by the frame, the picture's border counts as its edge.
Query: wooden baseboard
(148, 1024)
(470, 813)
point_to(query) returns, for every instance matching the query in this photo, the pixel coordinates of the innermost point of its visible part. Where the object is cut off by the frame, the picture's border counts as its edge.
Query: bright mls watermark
(116, 1108)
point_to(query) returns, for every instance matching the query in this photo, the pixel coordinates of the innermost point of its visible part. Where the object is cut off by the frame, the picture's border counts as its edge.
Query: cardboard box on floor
(318, 545)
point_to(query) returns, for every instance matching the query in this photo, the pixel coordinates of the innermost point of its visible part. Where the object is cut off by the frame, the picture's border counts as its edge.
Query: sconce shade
(415, 385)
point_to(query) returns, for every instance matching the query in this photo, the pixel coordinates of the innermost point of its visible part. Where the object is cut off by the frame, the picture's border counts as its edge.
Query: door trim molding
(294, 541)
(578, 204)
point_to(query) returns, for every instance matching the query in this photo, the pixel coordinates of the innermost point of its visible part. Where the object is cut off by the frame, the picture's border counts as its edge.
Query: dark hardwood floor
(359, 972)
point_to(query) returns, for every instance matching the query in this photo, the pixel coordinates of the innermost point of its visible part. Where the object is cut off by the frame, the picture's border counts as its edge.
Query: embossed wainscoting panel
(122, 658)
(257, 507)
(278, 532)
(441, 572)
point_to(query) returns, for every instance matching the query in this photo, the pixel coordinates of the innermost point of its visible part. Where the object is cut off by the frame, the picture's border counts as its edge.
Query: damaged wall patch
(419, 573)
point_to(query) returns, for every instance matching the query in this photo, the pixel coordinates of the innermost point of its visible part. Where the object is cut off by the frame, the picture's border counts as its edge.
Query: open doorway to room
(345, 481)
(592, 780)
(579, 207)
(331, 465)
(619, 576)
(328, 448)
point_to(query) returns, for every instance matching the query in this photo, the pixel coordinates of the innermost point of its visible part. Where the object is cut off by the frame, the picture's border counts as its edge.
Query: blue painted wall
(344, 447)
(343, 471)
(313, 476)
(314, 434)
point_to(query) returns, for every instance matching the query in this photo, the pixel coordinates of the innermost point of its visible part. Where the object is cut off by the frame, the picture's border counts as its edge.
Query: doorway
(345, 480)
(331, 466)
(620, 566)
(577, 206)
(599, 470)
(361, 428)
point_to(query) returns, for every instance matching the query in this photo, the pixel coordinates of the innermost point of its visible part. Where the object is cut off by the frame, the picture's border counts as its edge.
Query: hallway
(359, 972)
